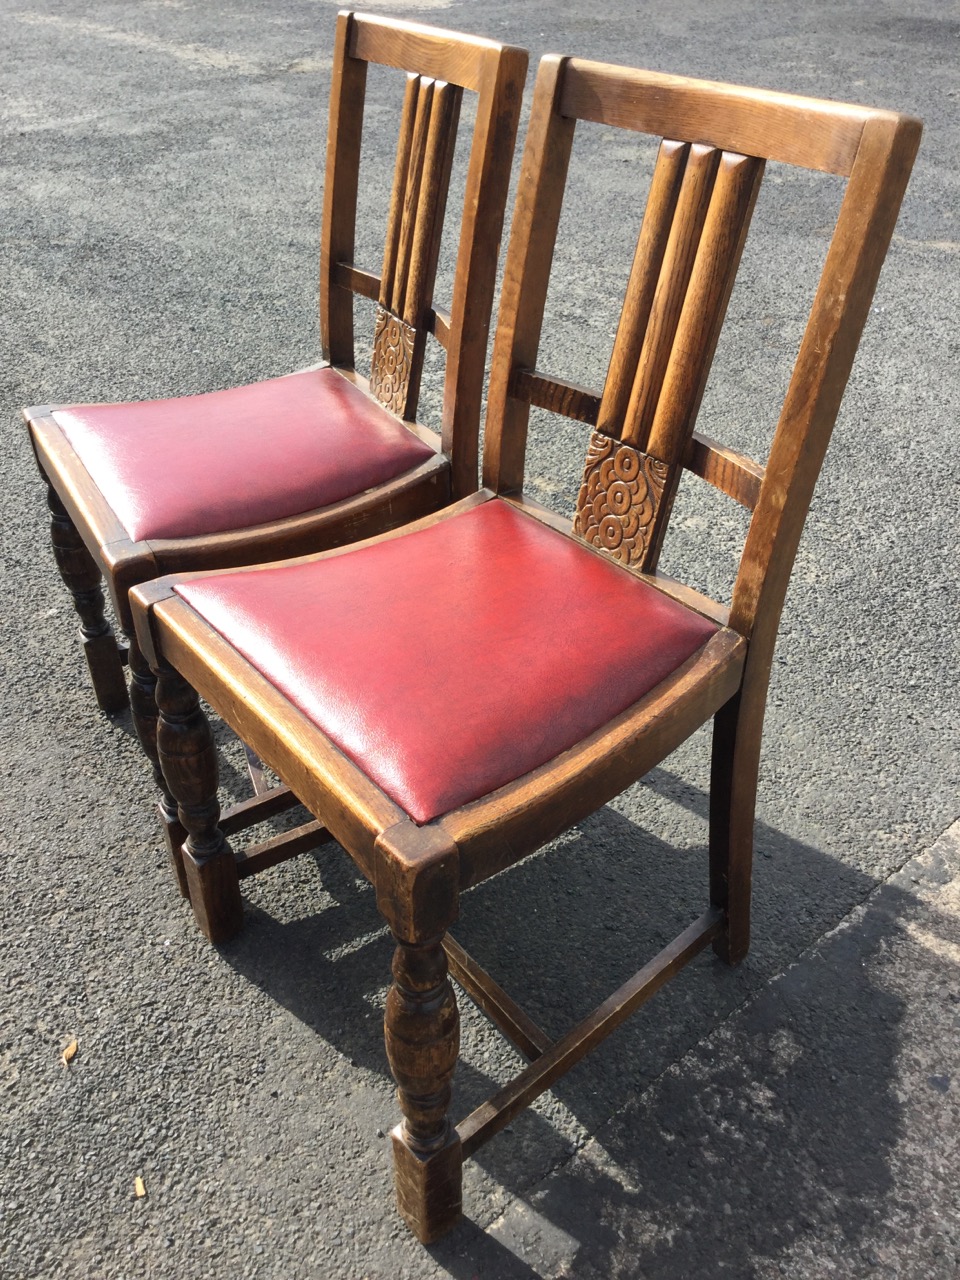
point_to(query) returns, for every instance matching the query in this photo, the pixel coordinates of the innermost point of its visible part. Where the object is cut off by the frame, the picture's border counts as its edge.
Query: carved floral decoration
(392, 361)
(619, 498)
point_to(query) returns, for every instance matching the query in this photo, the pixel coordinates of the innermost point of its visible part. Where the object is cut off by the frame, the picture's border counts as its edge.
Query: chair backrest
(439, 66)
(716, 139)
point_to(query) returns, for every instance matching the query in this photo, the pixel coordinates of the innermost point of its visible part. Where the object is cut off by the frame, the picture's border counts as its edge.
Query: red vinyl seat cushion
(454, 659)
(232, 459)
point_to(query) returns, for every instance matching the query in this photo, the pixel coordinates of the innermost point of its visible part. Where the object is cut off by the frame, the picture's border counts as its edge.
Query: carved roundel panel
(619, 497)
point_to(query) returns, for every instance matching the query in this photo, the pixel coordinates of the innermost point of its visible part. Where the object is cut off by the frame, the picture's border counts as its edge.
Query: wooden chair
(317, 458)
(558, 673)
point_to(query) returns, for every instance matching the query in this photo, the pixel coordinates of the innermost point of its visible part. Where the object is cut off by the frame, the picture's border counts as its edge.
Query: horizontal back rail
(367, 285)
(356, 279)
(733, 473)
(801, 131)
(569, 399)
(408, 46)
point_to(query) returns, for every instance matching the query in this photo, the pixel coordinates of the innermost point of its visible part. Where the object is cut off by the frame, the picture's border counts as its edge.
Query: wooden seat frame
(89, 541)
(419, 872)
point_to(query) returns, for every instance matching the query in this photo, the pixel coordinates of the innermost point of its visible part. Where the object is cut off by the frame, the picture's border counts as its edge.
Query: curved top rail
(812, 132)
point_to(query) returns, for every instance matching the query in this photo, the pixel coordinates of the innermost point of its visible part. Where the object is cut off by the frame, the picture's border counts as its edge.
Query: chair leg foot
(422, 1033)
(188, 761)
(214, 891)
(106, 668)
(83, 579)
(731, 950)
(174, 836)
(429, 1195)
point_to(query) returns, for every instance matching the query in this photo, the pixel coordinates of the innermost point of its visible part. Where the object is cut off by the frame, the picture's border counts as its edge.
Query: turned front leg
(188, 759)
(83, 579)
(422, 1032)
(143, 705)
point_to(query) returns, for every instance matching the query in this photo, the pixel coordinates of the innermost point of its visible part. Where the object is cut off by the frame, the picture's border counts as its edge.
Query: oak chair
(563, 665)
(318, 458)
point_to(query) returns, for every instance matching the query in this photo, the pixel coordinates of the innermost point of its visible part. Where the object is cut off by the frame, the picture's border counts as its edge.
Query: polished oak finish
(716, 139)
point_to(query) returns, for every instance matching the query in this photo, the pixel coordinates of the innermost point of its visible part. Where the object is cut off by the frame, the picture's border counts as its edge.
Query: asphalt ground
(161, 181)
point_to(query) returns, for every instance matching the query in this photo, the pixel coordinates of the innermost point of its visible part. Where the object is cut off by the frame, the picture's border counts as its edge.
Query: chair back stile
(437, 75)
(868, 214)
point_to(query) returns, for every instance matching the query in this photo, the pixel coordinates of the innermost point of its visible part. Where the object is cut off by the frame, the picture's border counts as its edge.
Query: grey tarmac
(161, 181)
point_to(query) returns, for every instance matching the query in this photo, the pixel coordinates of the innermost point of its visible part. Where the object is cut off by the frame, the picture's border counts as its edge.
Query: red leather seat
(454, 659)
(232, 459)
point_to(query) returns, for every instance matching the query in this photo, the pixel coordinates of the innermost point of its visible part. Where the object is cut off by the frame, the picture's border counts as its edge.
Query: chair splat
(698, 211)
(673, 279)
(428, 126)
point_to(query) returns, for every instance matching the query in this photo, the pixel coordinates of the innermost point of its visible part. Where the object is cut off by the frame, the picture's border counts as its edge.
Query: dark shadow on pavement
(730, 1154)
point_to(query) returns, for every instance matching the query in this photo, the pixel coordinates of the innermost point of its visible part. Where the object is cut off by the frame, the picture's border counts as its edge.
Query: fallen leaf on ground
(139, 1188)
(70, 1052)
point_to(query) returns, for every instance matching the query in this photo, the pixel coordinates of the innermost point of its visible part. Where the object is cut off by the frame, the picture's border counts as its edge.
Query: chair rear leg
(143, 704)
(733, 799)
(422, 1034)
(83, 579)
(188, 759)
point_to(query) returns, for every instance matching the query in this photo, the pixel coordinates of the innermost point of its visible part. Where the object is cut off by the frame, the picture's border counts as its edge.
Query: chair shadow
(778, 1129)
(795, 1128)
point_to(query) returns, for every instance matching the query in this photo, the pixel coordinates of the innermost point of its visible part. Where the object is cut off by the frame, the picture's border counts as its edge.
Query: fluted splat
(696, 220)
(428, 129)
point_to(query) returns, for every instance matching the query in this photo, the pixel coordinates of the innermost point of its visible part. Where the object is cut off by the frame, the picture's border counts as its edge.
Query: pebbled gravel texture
(161, 182)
